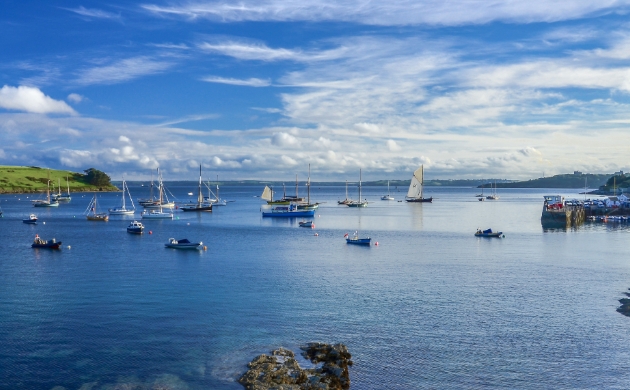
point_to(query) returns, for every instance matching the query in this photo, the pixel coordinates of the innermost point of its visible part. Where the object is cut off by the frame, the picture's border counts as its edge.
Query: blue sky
(259, 89)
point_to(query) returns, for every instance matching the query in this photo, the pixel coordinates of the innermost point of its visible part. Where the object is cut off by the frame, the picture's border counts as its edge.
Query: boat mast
(346, 189)
(218, 189)
(308, 185)
(422, 182)
(68, 184)
(296, 188)
(123, 194)
(359, 185)
(199, 194)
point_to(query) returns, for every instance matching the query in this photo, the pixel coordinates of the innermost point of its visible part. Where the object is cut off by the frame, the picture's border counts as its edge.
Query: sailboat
(358, 203)
(494, 195)
(345, 201)
(414, 194)
(388, 196)
(63, 198)
(150, 200)
(122, 210)
(308, 205)
(162, 202)
(217, 201)
(48, 202)
(200, 205)
(92, 213)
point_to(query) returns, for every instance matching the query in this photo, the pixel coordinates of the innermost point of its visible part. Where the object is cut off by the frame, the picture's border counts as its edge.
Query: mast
(296, 188)
(59, 188)
(422, 182)
(346, 189)
(123, 194)
(151, 193)
(218, 189)
(308, 185)
(199, 195)
(68, 184)
(359, 185)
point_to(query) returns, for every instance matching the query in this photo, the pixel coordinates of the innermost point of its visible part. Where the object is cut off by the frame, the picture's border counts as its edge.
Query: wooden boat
(32, 219)
(414, 194)
(135, 227)
(48, 244)
(358, 203)
(488, 233)
(200, 205)
(162, 202)
(347, 200)
(92, 214)
(355, 240)
(287, 211)
(307, 224)
(183, 244)
(123, 210)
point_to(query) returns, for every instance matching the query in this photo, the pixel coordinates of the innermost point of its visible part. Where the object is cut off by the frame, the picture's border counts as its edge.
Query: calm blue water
(431, 307)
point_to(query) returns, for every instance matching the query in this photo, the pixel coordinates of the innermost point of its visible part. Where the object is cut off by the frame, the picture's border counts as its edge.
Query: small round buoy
(205, 248)
(44, 223)
(69, 246)
(376, 243)
(150, 232)
(319, 215)
(188, 224)
(313, 226)
(74, 216)
(316, 235)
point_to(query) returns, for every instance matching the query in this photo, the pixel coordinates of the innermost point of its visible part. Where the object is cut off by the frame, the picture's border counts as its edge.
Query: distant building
(619, 173)
(577, 173)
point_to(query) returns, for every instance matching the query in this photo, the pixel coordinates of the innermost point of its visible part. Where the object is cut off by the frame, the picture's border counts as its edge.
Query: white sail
(415, 187)
(266, 195)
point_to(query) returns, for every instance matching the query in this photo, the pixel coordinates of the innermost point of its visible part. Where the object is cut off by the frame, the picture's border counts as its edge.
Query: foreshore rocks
(281, 371)
(625, 305)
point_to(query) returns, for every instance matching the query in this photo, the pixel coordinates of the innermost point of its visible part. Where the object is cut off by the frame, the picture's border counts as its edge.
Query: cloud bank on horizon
(260, 89)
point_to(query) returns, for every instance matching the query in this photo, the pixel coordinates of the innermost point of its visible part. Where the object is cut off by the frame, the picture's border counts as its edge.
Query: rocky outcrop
(280, 370)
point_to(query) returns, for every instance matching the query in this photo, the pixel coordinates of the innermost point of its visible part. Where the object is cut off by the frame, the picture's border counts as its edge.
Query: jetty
(558, 212)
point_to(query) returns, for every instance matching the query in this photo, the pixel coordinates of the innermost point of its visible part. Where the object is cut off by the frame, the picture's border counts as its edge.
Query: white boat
(308, 205)
(59, 197)
(156, 214)
(183, 244)
(388, 196)
(358, 203)
(414, 194)
(32, 219)
(494, 195)
(48, 202)
(216, 201)
(92, 214)
(123, 210)
(162, 201)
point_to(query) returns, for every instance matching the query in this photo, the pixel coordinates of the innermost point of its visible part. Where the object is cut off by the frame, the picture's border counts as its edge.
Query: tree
(97, 178)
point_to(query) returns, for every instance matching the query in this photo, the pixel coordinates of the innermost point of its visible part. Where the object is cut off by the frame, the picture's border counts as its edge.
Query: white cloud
(94, 13)
(31, 99)
(252, 82)
(392, 145)
(75, 98)
(284, 140)
(122, 70)
(258, 51)
(402, 12)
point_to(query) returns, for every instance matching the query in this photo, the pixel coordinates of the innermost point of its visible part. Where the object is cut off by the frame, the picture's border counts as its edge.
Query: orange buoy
(376, 243)
(150, 232)
(205, 248)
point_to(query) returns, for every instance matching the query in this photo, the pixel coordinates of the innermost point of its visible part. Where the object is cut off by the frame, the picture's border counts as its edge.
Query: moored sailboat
(48, 202)
(388, 196)
(358, 203)
(200, 205)
(92, 214)
(414, 194)
(123, 210)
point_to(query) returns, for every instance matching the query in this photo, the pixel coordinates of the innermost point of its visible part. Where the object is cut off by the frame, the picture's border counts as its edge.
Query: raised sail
(415, 187)
(266, 195)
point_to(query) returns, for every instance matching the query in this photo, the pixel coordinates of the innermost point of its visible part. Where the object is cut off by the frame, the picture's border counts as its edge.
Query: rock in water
(281, 371)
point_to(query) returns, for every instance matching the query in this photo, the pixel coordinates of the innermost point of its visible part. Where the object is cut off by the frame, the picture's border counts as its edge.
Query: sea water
(430, 307)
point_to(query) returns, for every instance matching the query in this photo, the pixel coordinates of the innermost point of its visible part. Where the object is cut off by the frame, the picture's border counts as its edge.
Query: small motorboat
(488, 233)
(49, 244)
(32, 219)
(307, 224)
(356, 240)
(183, 244)
(135, 227)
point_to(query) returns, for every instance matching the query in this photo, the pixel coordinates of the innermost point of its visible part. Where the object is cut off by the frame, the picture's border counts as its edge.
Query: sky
(260, 89)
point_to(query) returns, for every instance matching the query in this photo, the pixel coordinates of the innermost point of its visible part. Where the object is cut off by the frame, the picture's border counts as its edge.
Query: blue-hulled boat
(287, 211)
(488, 233)
(47, 244)
(32, 219)
(356, 240)
(135, 227)
(183, 244)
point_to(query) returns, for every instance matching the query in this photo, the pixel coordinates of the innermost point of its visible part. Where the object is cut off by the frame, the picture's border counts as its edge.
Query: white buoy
(69, 246)
(44, 223)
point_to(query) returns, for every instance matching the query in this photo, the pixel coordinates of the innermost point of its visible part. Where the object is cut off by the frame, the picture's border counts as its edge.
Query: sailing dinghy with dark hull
(414, 194)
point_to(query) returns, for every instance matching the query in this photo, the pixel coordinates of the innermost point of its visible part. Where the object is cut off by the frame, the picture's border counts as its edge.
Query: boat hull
(98, 217)
(184, 246)
(169, 205)
(197, 208)
(30, 221)
(288, 214)
(47, 245)
(489, 235)
(157, 215)
(420, 200)
(359, 241)
(357, 204)
(46, 204)
(135, 230)
(121, 212)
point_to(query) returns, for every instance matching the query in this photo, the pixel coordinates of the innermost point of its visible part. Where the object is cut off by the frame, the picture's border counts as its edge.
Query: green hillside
(35, 179)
